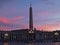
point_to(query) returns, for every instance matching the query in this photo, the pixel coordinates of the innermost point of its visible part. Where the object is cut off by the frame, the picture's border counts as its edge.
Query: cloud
(43, 13)
(54, 13)
(4, 20)
(10, 23)
(48, 27)
(17, 18)
(9, 27)
(9, 20)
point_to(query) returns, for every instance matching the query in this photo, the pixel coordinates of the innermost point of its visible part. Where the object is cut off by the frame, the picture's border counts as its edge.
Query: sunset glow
(14, 14)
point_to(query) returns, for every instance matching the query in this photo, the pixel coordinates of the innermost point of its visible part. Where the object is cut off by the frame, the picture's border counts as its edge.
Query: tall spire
(30, 18)
(30, 4)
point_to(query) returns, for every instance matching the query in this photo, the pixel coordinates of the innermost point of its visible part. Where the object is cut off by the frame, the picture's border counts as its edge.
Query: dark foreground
(19, 43)
(27, 36)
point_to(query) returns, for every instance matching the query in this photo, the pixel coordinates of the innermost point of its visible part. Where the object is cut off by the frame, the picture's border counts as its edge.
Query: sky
(14, 14)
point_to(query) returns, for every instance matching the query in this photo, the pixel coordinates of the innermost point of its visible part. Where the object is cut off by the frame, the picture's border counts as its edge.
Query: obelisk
(30, 20)
(31, 35)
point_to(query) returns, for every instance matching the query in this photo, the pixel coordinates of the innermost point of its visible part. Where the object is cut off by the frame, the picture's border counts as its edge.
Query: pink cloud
(47, 12)
(4, 20)
(10, 23)
(9, 20)
(17, 18)
(43, 13)
(48, 27)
